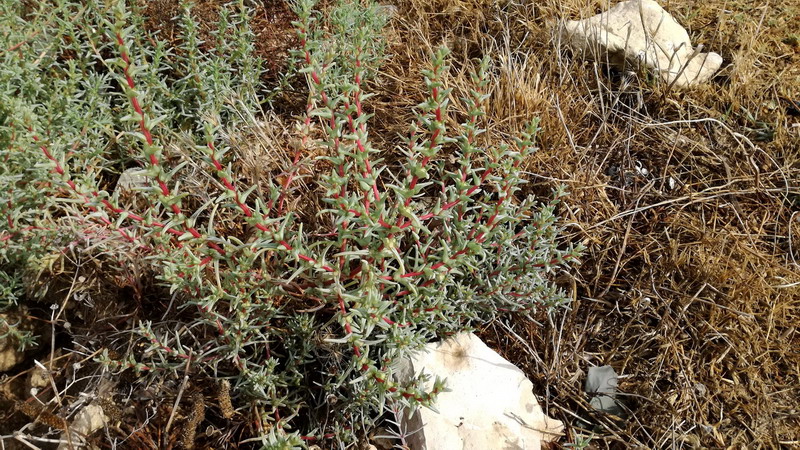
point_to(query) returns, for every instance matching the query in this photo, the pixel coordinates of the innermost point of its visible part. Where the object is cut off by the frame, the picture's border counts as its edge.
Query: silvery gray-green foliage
(305, 323)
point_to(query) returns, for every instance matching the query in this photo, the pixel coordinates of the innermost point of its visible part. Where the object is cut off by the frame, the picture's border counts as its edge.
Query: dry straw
(687, 200)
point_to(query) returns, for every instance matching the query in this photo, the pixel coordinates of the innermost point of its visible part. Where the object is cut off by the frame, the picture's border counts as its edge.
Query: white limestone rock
(490, 404)
(39, 376)
(88, 420)
(10, 354)
(130, 180)
(640, 33)
(388, 11)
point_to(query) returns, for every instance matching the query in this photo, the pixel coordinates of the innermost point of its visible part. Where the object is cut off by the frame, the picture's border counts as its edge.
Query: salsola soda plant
(305, 318)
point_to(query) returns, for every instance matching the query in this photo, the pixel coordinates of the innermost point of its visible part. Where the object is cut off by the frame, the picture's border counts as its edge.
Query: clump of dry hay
(688, 200)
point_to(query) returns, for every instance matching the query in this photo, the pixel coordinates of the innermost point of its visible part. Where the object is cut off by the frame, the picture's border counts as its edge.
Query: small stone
(388, 11)
(38, 378)
(701, 389)
(10, 354)
(129, 182)
(490, 403)
(40, 374)
(640, 33)
(87, 421)
(132, 179)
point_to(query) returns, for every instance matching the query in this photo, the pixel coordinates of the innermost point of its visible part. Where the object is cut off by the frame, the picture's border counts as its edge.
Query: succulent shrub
(304, 310)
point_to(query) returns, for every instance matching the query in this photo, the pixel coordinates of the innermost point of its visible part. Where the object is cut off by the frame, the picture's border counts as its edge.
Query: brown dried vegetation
(687, 200)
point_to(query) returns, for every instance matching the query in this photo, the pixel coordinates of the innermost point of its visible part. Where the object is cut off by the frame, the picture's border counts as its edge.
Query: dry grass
(687, 200)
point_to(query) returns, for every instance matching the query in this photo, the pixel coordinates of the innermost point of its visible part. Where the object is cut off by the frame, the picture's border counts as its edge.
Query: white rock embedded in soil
(10, 354)
(130, 180)
(39, 375)
(88, 420)
(640, 33)
(490, 405)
